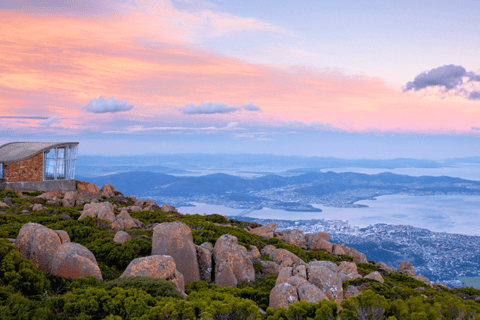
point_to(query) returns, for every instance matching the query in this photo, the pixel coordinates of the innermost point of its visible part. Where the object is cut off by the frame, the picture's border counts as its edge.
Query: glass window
(1, 170)
(60, 168)
(72, 152)
(49, 169)
(50, 154)
(61, 153)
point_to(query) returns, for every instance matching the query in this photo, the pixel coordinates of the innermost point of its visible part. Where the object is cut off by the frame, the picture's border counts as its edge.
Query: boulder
(70, 195)
(3, 204)
(285, 258)
(321, 244)
(382, 265)
(72, 260)
(296, 281)
(224, 276)
(38, 244)
(254, 253)
(155, 266)
(375, 276)
(179, 281)
(63, 235)
(134, 208)
(107, 191)
(309, 237)
(228, 250)
(351, 291)
(338, 250)
(357, 256)
(168, 208)
(121, 237)
(282, 296)
(103, 210)
(266, 231)
(208, 246)
(267, 250)
(310, 293)
(139, 202)
(328, 264)
(283, 275)
(87, 187)
(49, 195)
(326, 280)
(349, 276)
(321, 236)
(300, 271)
(67, 203)
(347, 267)
(269, 267)
(54, 202)
(36, 207)
(8, 201)
(424, 279)
(175, 239)
(294, 237)
(117, 225)
(204, 257)
(407, 268)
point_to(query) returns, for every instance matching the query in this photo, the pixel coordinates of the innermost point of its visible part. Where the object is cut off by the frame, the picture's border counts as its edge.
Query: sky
(349, 79)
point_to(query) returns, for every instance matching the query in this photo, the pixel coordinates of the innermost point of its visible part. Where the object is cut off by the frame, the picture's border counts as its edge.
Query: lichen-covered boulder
(294, 237)
(168, 208)
(228, 250)
(424, 279)
(205, 263)
(266, 231)
(296, 281)
(326, 280)
(38, 244)
(375, 276)
(208, 246)
(321, 244)
(382, 265)
(357, 256)
(300, 271)
(87, 187)
(267, 250)
(285, 258)
(328, 264)
(284, 274)
(72, 260)
(224, 276)
(254, 253)
(338, 250)
(103, 210)
(312, 240)
(407, 268)
(155, 266)
(310, 293)
(269, 267)
(121, 237)
(63, 235)
(283, 295)
(351, 291)
(175, 239)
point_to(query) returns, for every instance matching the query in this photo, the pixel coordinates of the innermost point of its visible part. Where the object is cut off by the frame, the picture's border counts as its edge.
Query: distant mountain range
(274, 191)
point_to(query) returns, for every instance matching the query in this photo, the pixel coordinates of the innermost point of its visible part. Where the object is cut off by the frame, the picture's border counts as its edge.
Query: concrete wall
(27, 170)
(52, 185)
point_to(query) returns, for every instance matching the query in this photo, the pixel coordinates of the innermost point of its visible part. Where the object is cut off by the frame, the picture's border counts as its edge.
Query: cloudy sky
(351, 79)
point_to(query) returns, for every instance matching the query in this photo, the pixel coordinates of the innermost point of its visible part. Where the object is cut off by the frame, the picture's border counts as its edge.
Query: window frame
(68, 160)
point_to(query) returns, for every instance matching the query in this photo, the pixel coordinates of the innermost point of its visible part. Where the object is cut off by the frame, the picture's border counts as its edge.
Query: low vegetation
(27, 293)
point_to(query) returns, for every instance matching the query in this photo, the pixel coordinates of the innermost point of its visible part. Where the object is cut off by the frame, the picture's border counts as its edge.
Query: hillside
(103, 255)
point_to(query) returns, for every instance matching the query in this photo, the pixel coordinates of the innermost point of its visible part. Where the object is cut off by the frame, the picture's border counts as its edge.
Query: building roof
(16, 151)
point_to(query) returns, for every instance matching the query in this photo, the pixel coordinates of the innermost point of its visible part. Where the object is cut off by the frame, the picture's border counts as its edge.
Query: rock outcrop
(375, 276)
(326, 280)
(224, 276)
(72, 260)
(87, 187)
(407, 268)
(310, 293)
(121, 237)
(283, 295)
(103, 210)
(204, 257)
(294, 237)
(228, 250)
(155, 266)
(38, 244)
(285, 258)
(175, 239)
(266, 231)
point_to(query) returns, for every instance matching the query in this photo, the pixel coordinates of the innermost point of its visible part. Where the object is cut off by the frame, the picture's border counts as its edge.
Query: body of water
(452, 214)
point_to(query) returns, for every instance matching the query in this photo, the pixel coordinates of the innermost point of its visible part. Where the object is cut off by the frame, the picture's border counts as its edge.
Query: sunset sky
(350, 79)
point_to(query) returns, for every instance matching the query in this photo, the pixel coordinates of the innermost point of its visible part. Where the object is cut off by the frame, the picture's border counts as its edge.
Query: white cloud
(209, 108)
(48, 122)
(317, 125)
(102, 105)
(232, 126)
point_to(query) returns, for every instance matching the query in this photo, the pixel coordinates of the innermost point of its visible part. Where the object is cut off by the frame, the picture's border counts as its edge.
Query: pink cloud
(52, 66)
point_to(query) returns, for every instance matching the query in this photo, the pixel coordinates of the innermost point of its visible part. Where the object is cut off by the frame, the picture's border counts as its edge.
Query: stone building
(44, 166)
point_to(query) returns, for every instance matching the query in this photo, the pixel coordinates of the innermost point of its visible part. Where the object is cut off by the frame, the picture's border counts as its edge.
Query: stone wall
(28, 170)
(51, 185)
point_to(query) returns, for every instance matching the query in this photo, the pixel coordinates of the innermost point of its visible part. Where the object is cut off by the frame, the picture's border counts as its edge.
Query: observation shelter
(42, 166)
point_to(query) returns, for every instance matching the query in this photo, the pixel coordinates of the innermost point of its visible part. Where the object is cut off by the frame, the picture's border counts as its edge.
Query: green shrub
(20, 273)
(154, 287)
(266, 258)
(402, 280)
(322, 256)
(366, 268)
(467, 290)
(257, 266)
